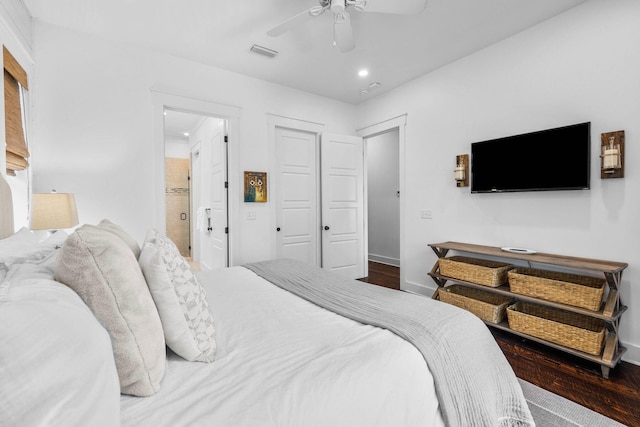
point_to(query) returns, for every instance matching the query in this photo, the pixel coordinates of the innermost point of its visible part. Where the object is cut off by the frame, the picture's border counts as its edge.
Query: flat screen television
(552, 159)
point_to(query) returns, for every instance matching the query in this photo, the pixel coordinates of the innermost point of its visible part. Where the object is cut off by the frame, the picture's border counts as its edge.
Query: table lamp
(53, 211)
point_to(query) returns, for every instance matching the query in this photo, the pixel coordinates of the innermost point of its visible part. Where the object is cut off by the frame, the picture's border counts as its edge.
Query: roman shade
(14, 78)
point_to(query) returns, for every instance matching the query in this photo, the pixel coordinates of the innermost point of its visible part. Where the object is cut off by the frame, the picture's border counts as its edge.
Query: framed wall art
(255, 186)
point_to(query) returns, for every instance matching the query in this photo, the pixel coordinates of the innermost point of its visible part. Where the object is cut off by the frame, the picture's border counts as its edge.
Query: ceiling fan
(342, 31)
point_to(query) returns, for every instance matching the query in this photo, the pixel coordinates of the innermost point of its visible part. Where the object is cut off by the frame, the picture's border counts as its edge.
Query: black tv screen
(552, 159)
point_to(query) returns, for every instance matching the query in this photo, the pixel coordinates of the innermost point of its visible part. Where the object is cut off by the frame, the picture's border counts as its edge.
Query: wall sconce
(612, 155)
(462, 170)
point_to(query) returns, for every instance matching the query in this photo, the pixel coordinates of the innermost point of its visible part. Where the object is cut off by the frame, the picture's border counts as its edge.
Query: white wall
(580, 66)
(176, 148)
(94, 123)
(383, 181)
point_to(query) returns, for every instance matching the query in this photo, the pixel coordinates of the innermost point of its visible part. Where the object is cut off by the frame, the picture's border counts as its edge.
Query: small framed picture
(255, 186)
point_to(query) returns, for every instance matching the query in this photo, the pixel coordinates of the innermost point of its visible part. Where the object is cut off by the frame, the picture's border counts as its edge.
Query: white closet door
(342, 181)
(297, 221)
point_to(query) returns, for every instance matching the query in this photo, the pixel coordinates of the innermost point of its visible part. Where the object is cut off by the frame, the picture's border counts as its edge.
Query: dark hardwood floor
(383, 275)
(573, 378)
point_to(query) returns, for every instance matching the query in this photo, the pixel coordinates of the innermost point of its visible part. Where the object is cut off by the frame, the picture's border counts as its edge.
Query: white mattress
(283, 361)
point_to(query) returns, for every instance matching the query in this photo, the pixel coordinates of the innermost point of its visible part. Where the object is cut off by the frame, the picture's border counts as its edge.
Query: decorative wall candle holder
(612, 155)
(462, 170)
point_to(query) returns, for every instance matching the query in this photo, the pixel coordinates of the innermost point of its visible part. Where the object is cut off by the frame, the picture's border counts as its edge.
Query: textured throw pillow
(101, 268)
(119, 231)
(181, 300)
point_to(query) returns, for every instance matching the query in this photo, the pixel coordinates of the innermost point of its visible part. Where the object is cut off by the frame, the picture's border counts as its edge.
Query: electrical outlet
(426, 214)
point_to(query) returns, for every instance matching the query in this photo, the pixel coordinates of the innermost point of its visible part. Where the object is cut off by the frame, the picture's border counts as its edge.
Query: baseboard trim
(632, 355)
(416, 288)
(384, 260)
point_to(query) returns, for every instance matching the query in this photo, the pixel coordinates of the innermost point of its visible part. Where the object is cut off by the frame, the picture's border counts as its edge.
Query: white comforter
(283, 361)
(56, 360)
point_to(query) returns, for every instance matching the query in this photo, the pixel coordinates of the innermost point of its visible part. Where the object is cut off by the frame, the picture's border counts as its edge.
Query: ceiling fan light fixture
(358, 5)
(317, 10)
(338, 6)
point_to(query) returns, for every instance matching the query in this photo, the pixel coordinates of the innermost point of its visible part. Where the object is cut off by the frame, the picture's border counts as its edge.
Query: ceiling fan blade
(296, 20)
(402, 7)
(343, 33)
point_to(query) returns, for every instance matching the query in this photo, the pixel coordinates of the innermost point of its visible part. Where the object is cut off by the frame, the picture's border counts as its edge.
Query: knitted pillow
(102, 270)
(119, 231)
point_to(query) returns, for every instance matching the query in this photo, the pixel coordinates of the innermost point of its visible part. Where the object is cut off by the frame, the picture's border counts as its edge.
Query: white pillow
(56, 361)
(181, 300)
(17, 242)
(23, 247)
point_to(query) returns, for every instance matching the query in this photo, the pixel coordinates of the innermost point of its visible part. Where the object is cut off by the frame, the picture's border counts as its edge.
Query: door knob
(326, 227)
(278, 229)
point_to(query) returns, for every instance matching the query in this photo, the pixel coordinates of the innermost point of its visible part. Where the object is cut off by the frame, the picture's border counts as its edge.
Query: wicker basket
(562, 327)
(480, 271)
(572, 289)
(488, 306)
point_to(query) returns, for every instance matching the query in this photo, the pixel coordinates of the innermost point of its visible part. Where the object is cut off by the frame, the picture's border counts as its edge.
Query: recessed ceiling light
(364, 92)
(363, 73)
(165, 113)
(185, 133)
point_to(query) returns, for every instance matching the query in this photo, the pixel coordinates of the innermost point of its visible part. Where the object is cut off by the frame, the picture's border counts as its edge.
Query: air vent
(261, 50)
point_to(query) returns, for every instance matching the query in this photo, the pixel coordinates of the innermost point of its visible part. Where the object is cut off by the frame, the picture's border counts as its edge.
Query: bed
(273, 343)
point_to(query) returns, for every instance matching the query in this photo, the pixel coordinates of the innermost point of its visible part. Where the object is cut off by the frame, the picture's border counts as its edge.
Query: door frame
(276, 121)
(399, 122)
(163, 100)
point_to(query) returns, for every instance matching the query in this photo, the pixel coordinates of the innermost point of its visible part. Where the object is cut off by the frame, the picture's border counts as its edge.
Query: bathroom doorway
(195, 187)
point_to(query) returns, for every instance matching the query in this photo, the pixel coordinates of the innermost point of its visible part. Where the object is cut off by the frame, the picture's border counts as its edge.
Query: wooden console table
(610, 311)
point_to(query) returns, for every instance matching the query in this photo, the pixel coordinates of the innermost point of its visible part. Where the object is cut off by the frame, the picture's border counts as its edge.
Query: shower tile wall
(178, 201)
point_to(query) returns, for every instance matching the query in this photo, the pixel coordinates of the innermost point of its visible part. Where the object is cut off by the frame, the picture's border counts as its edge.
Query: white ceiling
(395, 48)
(176, 123)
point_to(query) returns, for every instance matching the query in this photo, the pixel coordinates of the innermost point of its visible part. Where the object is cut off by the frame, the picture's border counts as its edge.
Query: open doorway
(196, 187)
(383, 207)
(396, 127)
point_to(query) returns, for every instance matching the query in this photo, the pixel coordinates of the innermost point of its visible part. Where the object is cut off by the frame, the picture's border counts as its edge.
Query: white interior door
(219, 200)
(342, 176)
(297, 217)
(195, 199)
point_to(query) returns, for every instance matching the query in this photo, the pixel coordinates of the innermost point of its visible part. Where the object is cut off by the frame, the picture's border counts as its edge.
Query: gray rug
(551, 410)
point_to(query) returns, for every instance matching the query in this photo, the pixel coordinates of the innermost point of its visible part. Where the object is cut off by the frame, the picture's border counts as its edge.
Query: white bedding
(283, 361)
(56, 361)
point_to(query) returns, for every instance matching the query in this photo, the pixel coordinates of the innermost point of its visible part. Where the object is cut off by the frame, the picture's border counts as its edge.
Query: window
(15, 82)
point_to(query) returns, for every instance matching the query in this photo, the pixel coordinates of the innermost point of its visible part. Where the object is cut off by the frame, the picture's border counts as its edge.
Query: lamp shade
(53, 211)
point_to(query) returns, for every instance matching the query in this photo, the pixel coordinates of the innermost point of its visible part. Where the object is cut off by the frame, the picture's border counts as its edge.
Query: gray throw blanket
(474, 382)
